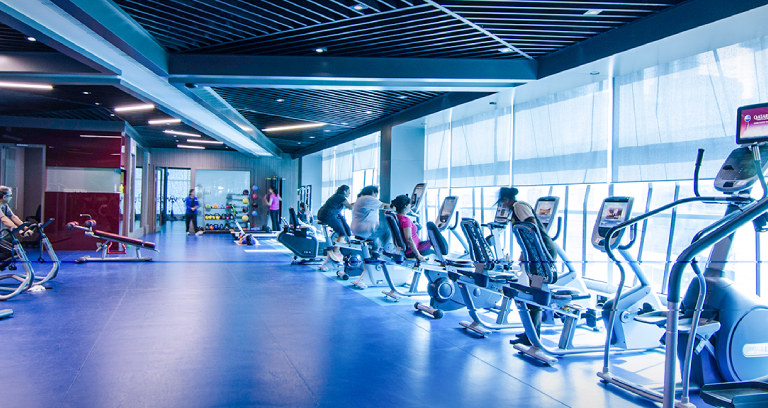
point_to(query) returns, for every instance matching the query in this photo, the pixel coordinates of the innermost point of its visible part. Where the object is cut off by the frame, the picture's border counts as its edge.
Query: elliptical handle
(699, 159)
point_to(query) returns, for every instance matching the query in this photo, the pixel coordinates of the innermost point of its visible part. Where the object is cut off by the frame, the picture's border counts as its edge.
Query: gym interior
(632, 131)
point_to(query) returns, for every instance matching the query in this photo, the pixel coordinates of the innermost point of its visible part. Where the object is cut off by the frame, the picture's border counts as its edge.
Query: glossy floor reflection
(212, 324)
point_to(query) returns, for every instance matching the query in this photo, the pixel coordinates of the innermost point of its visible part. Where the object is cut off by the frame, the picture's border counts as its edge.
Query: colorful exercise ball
(255, 188)
(254, 214)
(244, 218)
(245, 201)
(255, 196)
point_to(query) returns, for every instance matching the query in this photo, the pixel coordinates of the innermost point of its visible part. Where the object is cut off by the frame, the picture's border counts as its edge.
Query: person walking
(192, 204)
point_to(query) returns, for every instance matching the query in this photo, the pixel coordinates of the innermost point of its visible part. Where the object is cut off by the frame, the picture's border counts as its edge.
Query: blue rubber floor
(212, 324)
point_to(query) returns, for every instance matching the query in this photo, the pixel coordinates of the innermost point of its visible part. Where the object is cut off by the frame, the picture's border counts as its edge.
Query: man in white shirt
(365, 217)
(8, 222)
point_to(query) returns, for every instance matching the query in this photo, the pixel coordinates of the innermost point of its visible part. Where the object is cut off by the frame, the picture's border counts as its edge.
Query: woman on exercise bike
(330, 215)
(415, 248)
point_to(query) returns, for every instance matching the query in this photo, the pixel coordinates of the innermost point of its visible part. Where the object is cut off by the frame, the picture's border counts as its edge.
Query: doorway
(23, 170)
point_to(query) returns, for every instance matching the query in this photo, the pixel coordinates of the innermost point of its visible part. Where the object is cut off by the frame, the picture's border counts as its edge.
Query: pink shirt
(275, 202)
(406, 222)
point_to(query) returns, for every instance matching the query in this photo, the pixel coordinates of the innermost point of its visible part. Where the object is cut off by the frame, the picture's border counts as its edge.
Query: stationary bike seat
(570, 294)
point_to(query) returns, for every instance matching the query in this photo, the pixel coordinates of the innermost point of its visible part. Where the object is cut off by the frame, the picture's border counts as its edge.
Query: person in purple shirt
(273, 201)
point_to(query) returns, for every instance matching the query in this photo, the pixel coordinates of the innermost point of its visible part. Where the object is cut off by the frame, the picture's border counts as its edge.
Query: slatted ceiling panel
(14, 41)
(100, 114)
(341, 110)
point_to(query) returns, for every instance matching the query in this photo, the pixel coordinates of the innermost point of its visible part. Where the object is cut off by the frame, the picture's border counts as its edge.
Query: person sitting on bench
(416, 248)
(8, 222)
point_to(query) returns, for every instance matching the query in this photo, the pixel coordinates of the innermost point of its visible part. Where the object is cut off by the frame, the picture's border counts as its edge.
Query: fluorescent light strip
(131, 108)
(190, 147)
(294, 127)
(173, 132)
(25, 86)
(164, 121)
(216, 142)
(102, 137)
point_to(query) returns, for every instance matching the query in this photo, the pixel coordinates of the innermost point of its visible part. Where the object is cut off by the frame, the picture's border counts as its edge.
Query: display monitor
(614, 213)
(544, 211)
(446, 211)
(502, 214)
(752, 124)
(418, 193)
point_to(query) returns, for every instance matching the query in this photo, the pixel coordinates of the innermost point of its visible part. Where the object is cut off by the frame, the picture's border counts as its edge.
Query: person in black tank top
(330, 215)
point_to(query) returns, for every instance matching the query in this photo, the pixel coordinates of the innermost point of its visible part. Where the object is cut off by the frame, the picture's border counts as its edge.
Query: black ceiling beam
(424, 74)
(434, 105)
(675, 20)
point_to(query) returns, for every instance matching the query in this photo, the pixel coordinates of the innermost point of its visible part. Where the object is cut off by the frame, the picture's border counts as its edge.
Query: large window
(351, 163)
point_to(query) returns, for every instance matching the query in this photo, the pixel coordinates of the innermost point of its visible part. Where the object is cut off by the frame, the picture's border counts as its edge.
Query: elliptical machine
(722, 331)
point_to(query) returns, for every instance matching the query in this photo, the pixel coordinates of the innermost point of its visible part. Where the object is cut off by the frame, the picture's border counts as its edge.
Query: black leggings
(191, 217)
(336, 222)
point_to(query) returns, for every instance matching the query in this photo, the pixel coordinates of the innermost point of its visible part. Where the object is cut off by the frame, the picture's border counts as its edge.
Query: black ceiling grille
(384, 28)
(101, 114)
(340, 110)
(14, 41)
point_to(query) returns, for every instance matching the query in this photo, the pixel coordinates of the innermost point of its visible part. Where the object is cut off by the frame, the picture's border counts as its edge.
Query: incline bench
(108, 238)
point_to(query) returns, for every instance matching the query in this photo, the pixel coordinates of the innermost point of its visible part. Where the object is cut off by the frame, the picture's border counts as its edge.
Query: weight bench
(108, 238)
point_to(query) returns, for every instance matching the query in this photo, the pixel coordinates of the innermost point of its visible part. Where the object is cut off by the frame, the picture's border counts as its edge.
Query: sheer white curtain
(480, 149)
(437, 155)
(563, 138)
(667, 112)
(340, 162)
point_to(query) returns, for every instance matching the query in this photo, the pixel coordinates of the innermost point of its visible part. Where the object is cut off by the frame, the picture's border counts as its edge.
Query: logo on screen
(747, 118)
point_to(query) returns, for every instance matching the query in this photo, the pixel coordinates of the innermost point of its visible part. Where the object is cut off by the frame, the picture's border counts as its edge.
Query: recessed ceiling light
(326, 130)
(216, 142)
(368, 112)
(505, 50)
(26, 86)
(101, 137)
(31, 39)
(312, 137)
(164, 121)
(174, 132)
(344, 123)
(190, 147)
(280, 100)
(293, 127)
(131, 108)
(97, 104)
(321, 49)
(593, 12)
(402, 97)
(299, 142)
(86, 93)
(111, 114)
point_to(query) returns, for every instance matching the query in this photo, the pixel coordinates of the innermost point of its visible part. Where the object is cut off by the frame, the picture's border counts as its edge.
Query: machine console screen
(418, 193)
(502, 215)
(446, 210)
(614, 213)
(544, 210)
(752, 124)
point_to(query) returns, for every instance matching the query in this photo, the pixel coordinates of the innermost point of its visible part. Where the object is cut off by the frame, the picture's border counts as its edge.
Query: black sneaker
(522, 338)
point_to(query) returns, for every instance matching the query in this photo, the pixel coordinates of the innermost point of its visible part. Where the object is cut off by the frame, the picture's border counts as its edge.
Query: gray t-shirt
(365, 216)
(5, 210)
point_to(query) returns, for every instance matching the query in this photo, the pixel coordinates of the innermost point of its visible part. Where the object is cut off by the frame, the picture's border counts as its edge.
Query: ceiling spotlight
(402, 97)
(299, 142)
(174, 132)
(101, 137)
(131, 108)
(321, 50)
(97, 104)
(86, 93)
(280, 100)
(344, 123)
(164, 121)
(368, 112)
(190, 147)
(31, 39)
(593, 12)
(326, 130)
(216, 142)
(111, 114)
(504, 50)
(312, 137)
(26, 86)
(293, 127)
(358, 7)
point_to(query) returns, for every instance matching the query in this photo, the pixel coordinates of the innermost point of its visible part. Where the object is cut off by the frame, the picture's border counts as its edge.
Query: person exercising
(9, 222)
(415, 248)
(523, 212)
(365, 217)
(330, 215)
(192, 204)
